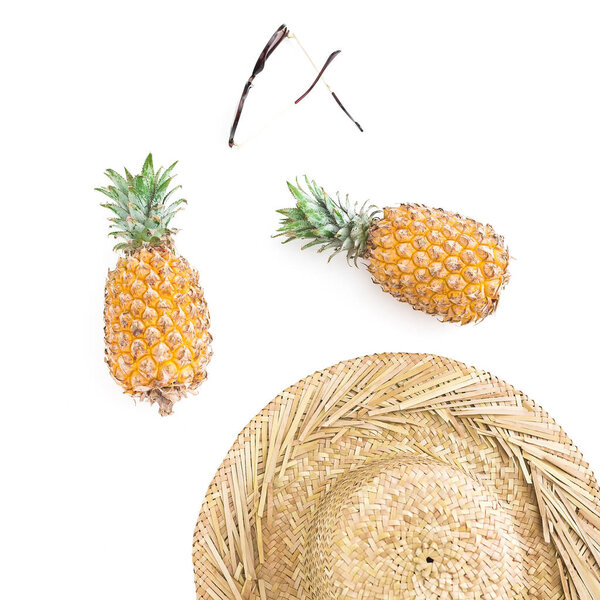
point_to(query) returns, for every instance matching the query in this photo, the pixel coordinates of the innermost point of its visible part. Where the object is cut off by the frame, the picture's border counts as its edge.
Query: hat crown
(411, 527)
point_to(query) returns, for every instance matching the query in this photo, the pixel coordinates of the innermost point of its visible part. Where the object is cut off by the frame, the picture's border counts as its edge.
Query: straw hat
(400, 476)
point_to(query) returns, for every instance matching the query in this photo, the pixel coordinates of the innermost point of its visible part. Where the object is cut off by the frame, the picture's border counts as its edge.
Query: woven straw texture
(402, 476)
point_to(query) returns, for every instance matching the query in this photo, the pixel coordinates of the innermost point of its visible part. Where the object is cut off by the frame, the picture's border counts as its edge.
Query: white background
(491, 109)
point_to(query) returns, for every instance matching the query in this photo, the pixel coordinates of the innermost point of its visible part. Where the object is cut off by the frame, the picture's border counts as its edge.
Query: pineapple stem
(142, 207)
(334, 225)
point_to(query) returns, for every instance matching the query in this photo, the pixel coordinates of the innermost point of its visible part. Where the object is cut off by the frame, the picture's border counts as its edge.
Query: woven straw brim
(342, 449)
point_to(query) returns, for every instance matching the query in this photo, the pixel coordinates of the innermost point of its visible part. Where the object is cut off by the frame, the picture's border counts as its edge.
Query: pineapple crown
(335, 225)
(142, 207)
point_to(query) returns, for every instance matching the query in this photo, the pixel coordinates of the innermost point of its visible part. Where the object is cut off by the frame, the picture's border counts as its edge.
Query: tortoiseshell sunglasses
(282, 33)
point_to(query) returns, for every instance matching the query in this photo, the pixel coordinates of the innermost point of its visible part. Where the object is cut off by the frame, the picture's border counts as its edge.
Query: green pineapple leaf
(331, 224)
(142, 206)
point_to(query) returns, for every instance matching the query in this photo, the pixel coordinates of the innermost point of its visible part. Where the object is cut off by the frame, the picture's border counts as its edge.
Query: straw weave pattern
(400, 476)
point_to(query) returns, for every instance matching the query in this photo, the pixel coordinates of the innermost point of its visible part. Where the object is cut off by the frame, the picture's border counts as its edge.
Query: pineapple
(155, 317)
(438, 262)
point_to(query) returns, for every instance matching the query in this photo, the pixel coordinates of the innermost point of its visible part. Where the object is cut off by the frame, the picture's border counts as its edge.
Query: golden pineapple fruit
(438, 262)
(156, 318)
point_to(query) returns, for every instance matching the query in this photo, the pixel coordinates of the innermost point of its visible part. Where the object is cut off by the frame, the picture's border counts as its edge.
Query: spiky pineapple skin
(440, 263)
(156, 326)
